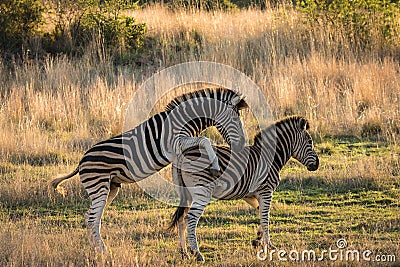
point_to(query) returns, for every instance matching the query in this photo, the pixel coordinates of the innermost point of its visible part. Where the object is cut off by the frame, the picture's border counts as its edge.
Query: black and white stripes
(152, 145)
(252, 175)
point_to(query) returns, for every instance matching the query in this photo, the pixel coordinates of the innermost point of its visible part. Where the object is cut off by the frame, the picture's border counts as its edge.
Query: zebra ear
(304, 124)
(242, 104)
(239, 102)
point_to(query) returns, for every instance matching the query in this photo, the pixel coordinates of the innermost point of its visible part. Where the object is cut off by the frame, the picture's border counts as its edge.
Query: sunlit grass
(52, 111)
(309, 211)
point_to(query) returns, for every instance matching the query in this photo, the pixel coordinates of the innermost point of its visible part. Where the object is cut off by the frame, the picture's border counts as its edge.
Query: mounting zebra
(253, 177)
(154, 144)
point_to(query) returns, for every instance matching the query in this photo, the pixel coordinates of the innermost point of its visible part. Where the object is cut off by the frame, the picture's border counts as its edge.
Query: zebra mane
(221, 94)
(299, 121)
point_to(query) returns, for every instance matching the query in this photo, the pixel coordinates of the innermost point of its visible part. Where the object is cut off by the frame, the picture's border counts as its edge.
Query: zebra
(252, 175)
(154, 144)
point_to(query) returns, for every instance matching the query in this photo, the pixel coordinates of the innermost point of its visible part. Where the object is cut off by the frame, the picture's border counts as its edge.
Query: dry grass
(52, 111)
(314, 71)
(301, 70)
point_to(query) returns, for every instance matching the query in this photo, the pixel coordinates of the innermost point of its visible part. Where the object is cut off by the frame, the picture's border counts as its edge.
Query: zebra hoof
(185, 255)
(256, 243)
(214, 172)
(271, 246)
(199, 257)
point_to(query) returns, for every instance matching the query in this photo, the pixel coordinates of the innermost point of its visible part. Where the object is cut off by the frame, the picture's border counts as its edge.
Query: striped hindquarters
(129, 157)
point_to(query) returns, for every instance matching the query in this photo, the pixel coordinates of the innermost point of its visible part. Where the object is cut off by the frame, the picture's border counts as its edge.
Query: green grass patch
(354, 195)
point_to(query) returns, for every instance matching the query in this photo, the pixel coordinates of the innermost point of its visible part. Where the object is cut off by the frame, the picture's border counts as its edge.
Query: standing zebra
(252, 176)
(154, 144)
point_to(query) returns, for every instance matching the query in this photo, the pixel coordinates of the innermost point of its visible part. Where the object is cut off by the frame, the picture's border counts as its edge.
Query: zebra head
(303, 149)
(229, 124)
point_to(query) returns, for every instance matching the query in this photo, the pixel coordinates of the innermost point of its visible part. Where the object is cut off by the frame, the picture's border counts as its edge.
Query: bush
(79, 26)
(115, 32)
(19, 19)
(197, 4)
(219, 4)
(105, 27)
(361, 20)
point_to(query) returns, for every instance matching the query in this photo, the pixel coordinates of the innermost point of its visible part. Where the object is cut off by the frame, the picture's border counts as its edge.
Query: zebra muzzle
(313, 166)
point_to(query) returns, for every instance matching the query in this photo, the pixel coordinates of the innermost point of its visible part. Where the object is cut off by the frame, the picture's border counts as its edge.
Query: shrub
(78, 26)
(197, 4)
(361, 20)
(371, 129)
(112, 33)
(19, 19)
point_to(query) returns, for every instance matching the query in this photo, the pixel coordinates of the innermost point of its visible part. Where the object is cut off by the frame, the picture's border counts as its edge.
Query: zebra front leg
(214, 164)
(93, 216)
(257, 242)
(264, 200)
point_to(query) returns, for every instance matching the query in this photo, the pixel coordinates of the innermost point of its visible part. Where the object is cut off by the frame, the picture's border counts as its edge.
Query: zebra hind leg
(182, 234)
(114, 189)
(252, 201)
(94, 214)
(258, 241)
(192, 218)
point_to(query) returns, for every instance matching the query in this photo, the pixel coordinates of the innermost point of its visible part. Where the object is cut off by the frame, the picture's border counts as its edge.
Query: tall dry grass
(61, 104)
(308, 69)
(51, 111)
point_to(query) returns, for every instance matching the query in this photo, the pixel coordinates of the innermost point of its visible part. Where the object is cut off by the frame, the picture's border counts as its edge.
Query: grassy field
(53, 110)
(354, 196)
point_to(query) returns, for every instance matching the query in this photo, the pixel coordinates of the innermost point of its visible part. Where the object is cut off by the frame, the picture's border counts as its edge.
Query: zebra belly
(229, 190)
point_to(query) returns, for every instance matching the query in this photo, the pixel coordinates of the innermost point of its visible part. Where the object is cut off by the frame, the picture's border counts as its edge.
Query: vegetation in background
(98, 26)
(19, 22)
(367, 23)
(74, 92)
(75, 27)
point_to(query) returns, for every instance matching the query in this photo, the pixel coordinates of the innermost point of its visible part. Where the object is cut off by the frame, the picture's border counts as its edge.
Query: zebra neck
(279, 153)
(196, 126)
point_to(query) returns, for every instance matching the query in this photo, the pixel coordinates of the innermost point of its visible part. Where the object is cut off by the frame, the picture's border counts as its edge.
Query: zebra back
(257, 166)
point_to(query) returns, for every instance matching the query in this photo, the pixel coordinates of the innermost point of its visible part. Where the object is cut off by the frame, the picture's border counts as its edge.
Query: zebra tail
(184, 203)
(56, 182)
(178, 214)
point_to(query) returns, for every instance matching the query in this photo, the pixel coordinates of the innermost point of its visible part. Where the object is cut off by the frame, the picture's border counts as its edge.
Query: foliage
(19, 19)
(197, 4)
(362, 20)
(77, 27)
(227, 5)
(86, 22)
